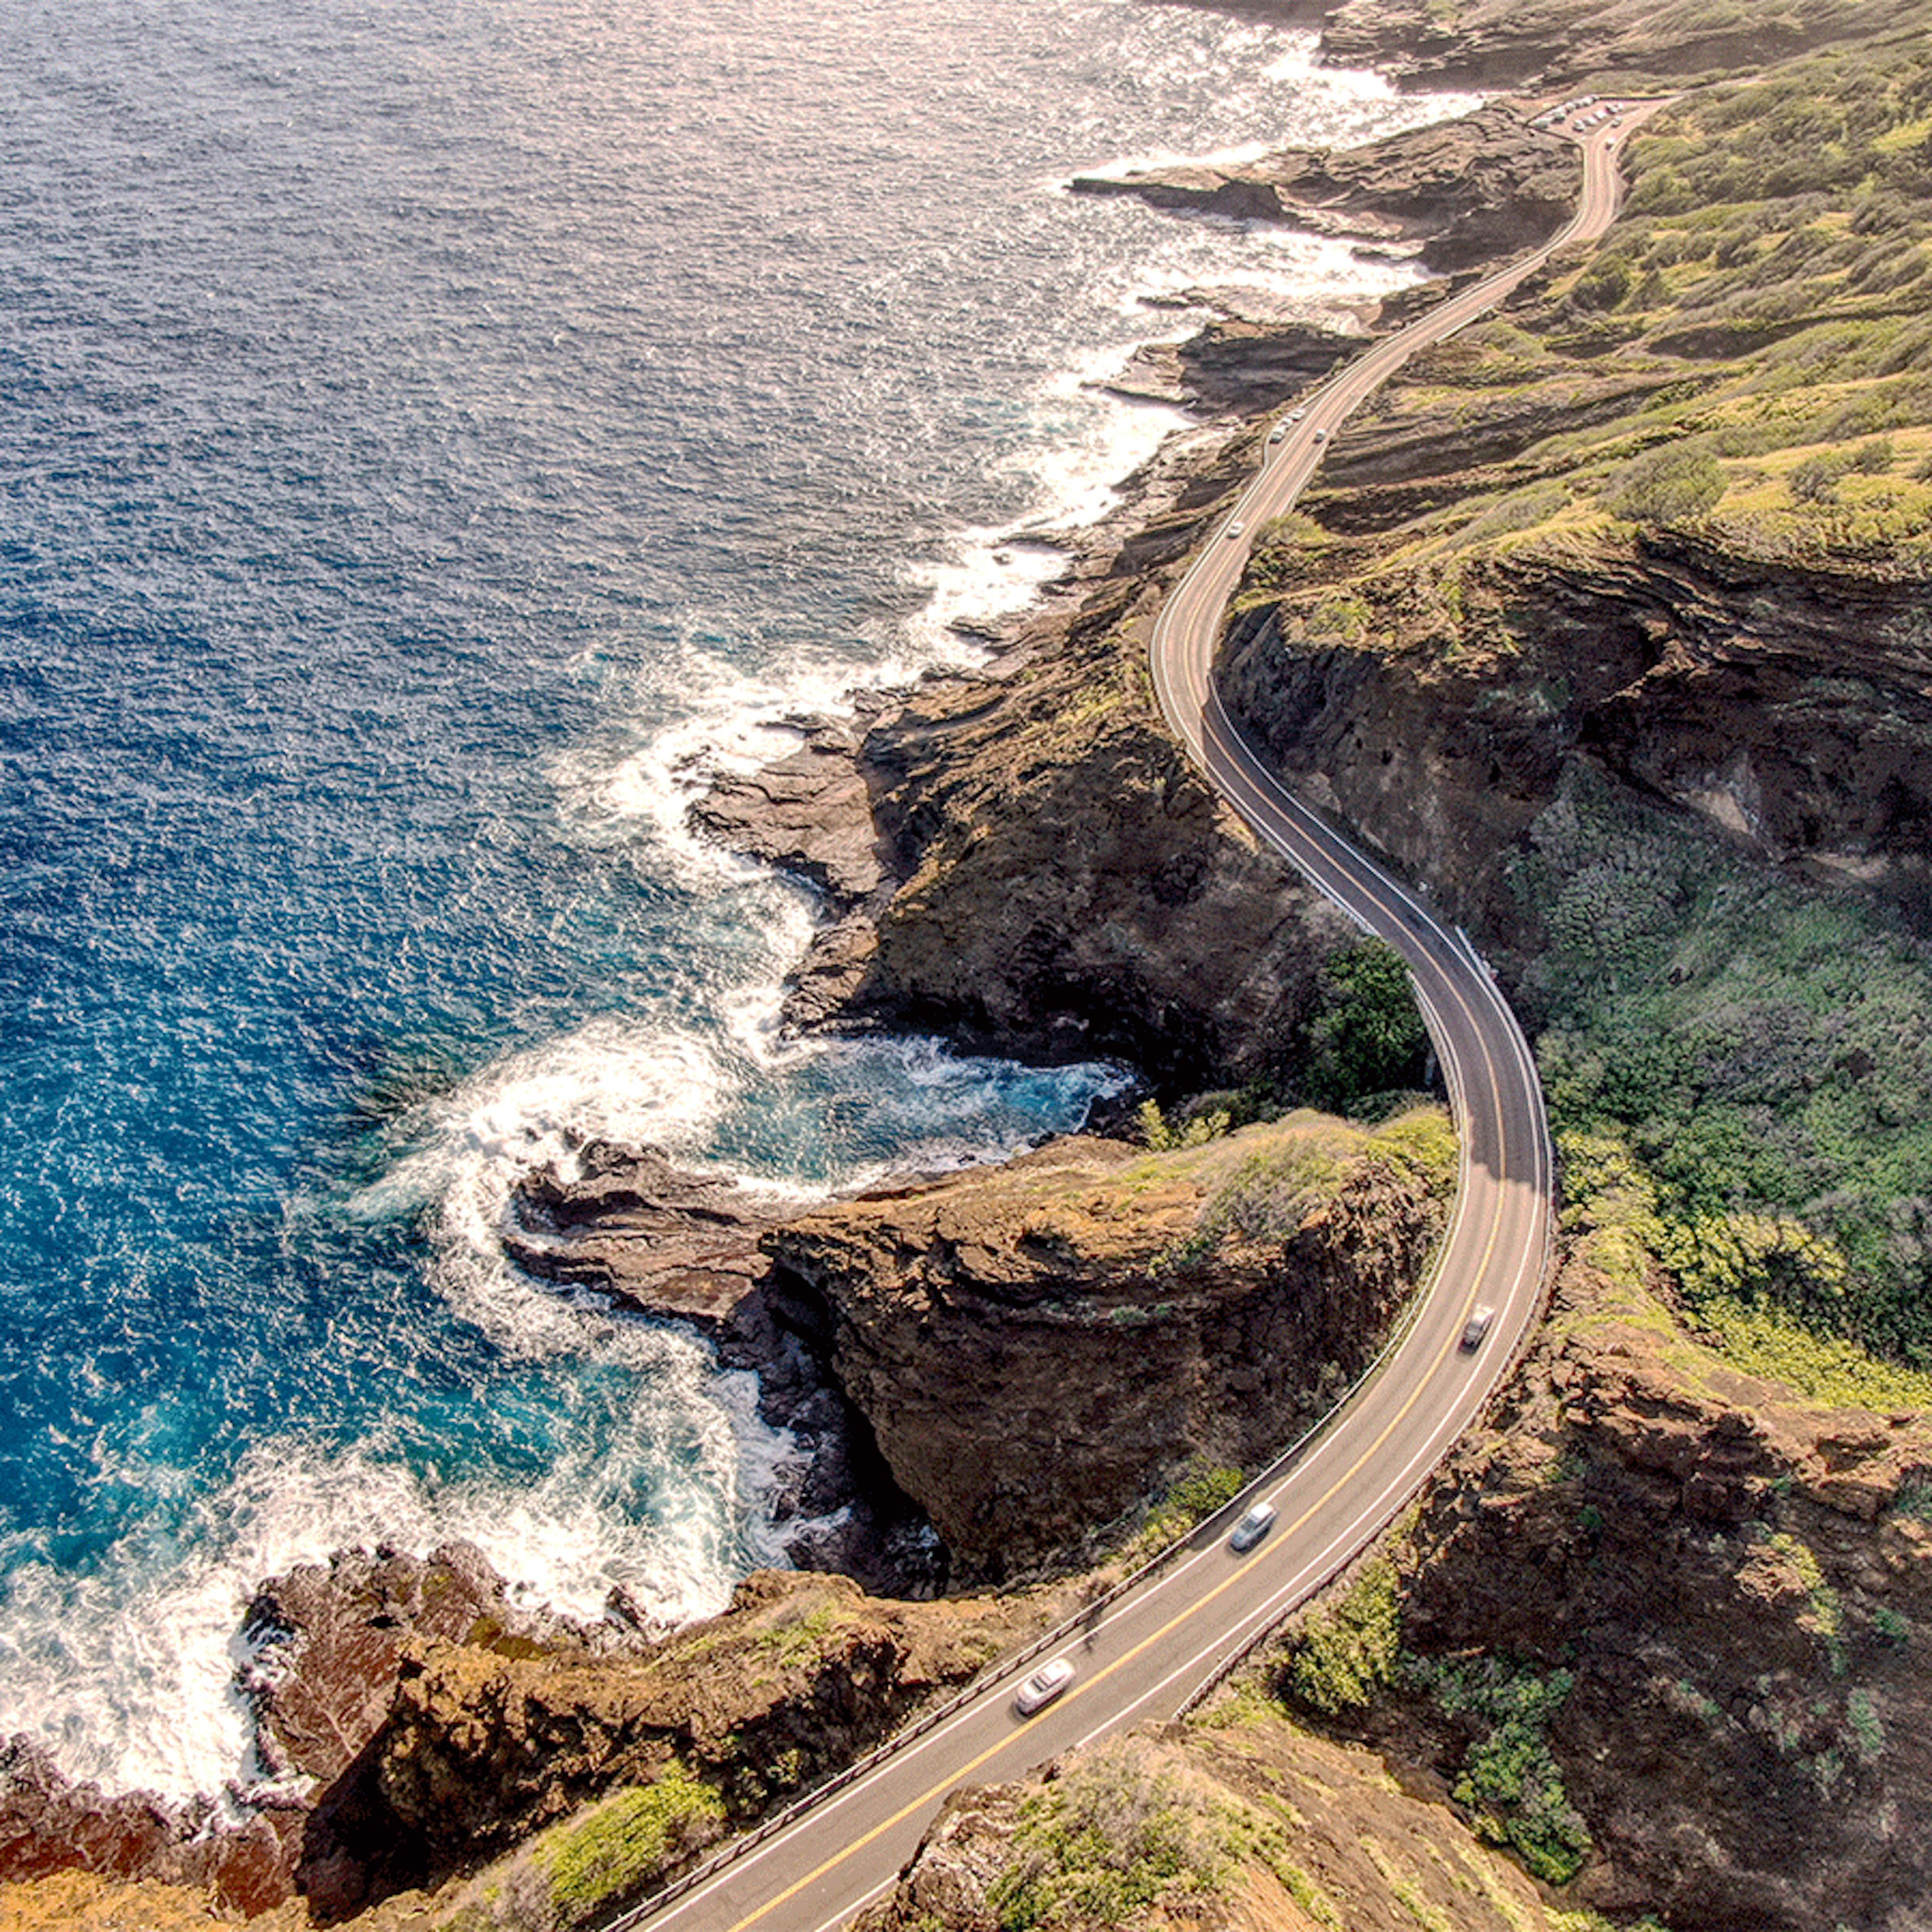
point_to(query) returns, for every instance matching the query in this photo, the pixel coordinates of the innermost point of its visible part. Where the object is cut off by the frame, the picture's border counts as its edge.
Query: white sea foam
(126, 1670)
(124, 1665)
(637, 1085)
(644, 782)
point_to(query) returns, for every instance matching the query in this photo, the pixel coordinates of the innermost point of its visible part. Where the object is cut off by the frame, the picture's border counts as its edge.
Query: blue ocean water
(435, 438)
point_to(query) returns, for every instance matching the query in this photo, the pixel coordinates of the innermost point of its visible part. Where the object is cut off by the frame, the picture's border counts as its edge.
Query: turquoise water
(436, 438)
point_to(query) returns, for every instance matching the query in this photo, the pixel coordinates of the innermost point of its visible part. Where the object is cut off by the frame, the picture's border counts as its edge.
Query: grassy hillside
(1735, 387)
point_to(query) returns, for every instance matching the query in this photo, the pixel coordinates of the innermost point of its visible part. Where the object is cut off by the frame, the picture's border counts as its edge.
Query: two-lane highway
(1167, 1636)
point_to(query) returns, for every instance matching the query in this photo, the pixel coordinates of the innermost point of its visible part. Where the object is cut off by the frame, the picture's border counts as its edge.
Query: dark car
(1252, 1527)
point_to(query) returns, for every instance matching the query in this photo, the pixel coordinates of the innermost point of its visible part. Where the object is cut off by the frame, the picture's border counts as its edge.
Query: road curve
(1167, 1637)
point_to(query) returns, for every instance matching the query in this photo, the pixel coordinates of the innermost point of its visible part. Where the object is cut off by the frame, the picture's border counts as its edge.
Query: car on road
(1043, 1686)
(1321, 436)
(1295, 415)
(1279, 431)
(1252, 1527)
(1235, 528)
(1478, 1326)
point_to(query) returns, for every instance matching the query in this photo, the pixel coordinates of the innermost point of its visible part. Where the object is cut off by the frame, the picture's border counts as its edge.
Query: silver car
(1478, 1326)
(1043, 1686)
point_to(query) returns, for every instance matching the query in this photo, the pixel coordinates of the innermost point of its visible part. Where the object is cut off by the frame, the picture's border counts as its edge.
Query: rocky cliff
(1455, 194)
(1040, 872)
(1698, 1600)
(324, 1649)
(1498, 43)
(421, 1727)
(1440, 708)
(1099, 1315)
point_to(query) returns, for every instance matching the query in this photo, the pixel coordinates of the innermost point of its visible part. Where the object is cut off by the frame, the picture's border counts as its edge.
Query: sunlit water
(435, 437)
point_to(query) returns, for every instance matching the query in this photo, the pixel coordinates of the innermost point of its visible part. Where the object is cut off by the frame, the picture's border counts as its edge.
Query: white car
(1321, 436)
(1295, 415)
(1043, 1686)
(1235, 528)
(1279, 431)
(1478, 1326)
(1252, 1527)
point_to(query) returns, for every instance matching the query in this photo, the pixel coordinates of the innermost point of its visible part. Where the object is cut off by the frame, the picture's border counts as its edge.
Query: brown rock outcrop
(1058, 883)
(1787, 708)
(327, 1643)
(1097, 1315)
(656, 1237)
(665, 1242)
(801, 1673)
(1738, 1581)
(1457, 193)
(1497, 43)
(50, 1824)
(810, 812)
(327, 1639)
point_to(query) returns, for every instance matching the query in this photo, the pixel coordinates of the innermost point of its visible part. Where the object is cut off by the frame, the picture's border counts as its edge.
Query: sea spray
(436, 444)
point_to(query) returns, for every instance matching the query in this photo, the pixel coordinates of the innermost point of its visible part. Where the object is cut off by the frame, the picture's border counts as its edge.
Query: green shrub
(1367, 1037)
(1102, 1846)
(622, 1844)
(1341, 1658)
(1816, 480)
(1666, 486)
(1509, 1779)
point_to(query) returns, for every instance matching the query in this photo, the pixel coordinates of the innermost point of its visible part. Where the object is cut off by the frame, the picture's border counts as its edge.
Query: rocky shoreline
(1727, 1581)
(1188, 953)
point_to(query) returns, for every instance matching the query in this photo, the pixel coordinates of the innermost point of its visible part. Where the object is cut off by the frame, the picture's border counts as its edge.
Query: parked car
(1279, 431)
(1478, 1326)
(1252, 1527)
(1043, 1686)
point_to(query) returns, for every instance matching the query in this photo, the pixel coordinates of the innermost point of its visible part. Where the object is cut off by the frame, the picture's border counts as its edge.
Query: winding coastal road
(1159, 1643)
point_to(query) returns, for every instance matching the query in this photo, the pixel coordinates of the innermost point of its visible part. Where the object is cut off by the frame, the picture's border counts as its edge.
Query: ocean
(436, 440)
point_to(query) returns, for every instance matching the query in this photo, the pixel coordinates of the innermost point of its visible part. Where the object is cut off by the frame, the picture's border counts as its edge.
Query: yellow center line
(1374, 892)
(961, 1772)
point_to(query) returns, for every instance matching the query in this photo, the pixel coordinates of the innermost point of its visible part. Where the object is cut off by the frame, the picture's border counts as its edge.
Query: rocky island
(1608, 622)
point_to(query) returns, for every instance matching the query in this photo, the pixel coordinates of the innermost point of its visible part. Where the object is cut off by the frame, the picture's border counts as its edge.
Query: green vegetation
(1509, 1779)
(1204, 1488)
(1738, 1069)
(1824, 1612)
(1162, 1135)
(1253, 1838)
(1344, 1655)
(1366, 1038)
(1103, 1846)
(1265, 1191)
(594, 1862)
(1742, 369)
(1595, 1921)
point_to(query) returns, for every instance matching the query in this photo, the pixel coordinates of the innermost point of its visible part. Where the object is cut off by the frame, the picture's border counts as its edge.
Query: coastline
(860, 808)
(1086, 555)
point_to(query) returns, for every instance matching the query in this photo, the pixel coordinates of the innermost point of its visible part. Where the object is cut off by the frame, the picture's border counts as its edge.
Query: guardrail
(1239, 1655)
(1089, 1615)
(1086, 1619)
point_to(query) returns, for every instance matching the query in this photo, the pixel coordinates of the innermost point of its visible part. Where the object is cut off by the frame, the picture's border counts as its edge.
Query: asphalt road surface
(1167, 1637)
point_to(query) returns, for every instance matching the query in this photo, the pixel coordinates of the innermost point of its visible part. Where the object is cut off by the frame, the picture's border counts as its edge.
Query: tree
(1367, 1035)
